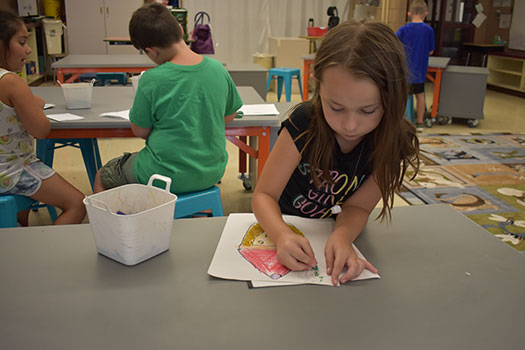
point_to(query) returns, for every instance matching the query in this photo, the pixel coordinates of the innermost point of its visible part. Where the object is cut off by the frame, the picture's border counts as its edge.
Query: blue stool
(284, 75)
(45, 150)
(409, 111)
(196, 202)
(112, 78)
(10, 205)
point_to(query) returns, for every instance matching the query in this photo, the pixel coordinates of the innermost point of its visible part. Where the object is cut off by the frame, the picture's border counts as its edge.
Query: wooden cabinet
(89, 22)
(507, 72)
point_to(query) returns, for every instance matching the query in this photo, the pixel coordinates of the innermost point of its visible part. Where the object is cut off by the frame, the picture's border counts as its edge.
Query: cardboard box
(288, 52)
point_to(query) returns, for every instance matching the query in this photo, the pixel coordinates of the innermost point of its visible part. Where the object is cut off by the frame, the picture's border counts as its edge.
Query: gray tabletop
(433, 61)
(122, 60)
(445, 284)
(89, 61)
(112, 99)
(438, 62)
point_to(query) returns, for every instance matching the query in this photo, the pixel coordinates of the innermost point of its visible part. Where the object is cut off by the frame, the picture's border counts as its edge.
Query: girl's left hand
(340, 253)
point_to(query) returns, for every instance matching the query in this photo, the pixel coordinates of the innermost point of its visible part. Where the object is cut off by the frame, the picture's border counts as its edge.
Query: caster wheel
(428, 122)
(472, 123)
(441, 120)
(448, 121)
(246, 181)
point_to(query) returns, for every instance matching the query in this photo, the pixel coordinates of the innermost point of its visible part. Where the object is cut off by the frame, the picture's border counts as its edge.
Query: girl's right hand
(294, 252)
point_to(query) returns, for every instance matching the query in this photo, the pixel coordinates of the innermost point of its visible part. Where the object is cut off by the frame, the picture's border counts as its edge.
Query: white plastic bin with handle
(132, 223)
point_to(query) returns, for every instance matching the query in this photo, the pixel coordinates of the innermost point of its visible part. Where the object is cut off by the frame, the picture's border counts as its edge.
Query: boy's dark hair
(418, 7)
(9, 25)
(154, 25)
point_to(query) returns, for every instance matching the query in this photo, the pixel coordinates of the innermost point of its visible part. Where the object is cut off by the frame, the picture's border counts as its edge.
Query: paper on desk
(60, 117)
(260, 109)
(119, 114)
(240, 256)
(362, 276)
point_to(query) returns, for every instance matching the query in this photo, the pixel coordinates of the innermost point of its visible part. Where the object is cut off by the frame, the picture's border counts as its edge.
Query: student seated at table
(180, 109)
(22, 119)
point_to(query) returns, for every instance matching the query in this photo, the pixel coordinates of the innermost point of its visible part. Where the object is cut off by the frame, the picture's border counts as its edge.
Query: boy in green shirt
(180, 109)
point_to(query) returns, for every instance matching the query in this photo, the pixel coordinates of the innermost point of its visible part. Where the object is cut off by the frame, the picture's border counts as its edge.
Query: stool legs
(280, 81)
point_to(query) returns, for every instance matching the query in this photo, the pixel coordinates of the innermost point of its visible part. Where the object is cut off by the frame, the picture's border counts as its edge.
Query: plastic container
(132, 223)
(53, 29)
(52, 8)
(135, 82)
(316, 31)
(78, 95)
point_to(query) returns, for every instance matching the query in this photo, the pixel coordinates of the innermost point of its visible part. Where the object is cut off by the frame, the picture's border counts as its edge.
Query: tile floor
(503, 112)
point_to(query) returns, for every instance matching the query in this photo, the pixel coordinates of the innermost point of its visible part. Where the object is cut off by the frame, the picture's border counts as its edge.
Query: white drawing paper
(256, 262)
(119, 114)
(63, 117)
(259, 109)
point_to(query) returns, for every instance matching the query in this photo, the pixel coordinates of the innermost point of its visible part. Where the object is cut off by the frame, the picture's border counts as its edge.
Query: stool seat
(283, 74)
(196, 202)
(11, 204)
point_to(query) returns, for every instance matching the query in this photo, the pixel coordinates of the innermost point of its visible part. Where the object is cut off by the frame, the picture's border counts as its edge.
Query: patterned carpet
(480, 175)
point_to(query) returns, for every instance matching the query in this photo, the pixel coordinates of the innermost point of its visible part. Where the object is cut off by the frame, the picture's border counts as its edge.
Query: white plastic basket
(78, 95)
(144, 228)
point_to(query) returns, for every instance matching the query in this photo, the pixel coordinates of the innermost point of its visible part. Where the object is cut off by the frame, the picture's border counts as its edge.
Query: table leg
(437, 88)
(60, 75)
(306, 78)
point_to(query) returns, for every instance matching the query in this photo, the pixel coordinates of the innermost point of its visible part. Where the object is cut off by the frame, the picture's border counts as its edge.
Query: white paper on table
(480, 18)
(260, 109)
(119, 114)
(63, 117)
(228, 262)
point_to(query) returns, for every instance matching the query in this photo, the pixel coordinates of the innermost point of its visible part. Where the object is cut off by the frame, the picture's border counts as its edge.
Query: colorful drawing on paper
(258, 249)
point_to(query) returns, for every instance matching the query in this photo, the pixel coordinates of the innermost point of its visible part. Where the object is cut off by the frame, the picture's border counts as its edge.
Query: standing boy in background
(180, 109)
(418, 41)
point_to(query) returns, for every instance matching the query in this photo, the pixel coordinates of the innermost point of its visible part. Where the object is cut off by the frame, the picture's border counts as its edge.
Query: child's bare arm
(349, 224)
(140, 131)
(293, 251)
(229, 118)
(28, 107)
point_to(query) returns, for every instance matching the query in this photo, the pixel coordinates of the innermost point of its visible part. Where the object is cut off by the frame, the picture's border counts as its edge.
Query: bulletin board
(517, 29)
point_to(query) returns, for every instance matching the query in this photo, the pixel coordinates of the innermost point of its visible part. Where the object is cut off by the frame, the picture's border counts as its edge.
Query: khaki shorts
(118, 171)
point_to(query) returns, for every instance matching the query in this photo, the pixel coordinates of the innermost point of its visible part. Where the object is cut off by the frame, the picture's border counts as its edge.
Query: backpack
(201, 34)
(333, 19)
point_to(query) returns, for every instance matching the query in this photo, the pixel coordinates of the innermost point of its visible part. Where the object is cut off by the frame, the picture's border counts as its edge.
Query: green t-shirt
(185, 106)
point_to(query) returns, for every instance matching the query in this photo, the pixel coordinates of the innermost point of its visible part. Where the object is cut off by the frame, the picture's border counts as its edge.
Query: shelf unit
(507, 72)
(32, 69)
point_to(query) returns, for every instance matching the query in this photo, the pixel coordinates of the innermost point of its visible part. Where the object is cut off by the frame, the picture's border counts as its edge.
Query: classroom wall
(9, 5)
(486, 32)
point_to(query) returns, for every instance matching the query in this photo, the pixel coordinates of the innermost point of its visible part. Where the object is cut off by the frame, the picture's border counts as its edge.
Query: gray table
(445, 284)
(110, 99)
(249, 74)
(242, 74)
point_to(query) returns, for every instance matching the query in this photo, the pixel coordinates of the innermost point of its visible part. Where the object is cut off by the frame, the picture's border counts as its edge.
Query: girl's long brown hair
(369, 50)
